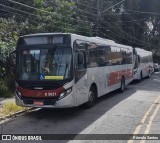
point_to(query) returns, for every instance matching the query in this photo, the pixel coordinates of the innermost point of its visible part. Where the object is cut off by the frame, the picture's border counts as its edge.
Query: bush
(10, 82)
(4, 90)
(11, 107)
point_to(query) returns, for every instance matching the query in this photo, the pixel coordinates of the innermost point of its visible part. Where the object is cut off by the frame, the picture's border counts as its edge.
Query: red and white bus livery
(143, 64)
(56, 70)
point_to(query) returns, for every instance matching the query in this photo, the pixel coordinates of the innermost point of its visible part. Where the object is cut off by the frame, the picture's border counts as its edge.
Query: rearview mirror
(80, 58)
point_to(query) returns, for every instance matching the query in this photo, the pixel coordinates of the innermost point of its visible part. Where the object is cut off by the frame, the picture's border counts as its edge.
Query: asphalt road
(137, 111)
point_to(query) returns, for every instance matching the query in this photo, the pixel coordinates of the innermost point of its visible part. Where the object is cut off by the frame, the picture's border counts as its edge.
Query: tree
(54, 16)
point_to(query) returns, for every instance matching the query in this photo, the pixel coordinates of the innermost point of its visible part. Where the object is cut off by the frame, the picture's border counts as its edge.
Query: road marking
(151, 121)
(147, 113)
(144, 118)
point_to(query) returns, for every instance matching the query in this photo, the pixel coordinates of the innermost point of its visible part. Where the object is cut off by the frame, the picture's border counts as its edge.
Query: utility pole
(98, 18)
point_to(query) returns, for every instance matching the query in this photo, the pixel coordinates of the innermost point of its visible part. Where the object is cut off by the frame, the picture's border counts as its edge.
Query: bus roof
(43, 34)
(91, 39)
(143, 52)
(109, 42)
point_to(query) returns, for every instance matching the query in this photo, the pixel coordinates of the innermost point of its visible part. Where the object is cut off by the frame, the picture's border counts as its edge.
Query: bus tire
(92, 97)
(122, 87)
(141, 77)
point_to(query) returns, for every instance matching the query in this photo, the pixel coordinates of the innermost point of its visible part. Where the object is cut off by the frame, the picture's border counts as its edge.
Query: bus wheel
(92, 97)
(121, 89)
(141, 77)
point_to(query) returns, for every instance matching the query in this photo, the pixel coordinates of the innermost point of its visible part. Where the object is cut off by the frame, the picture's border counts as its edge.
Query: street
(135, 111)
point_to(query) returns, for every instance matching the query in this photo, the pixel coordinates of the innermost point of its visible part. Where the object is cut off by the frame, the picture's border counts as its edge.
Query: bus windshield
(45, 64)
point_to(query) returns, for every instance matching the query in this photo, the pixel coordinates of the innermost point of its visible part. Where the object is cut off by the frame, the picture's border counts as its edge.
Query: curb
(15, 114)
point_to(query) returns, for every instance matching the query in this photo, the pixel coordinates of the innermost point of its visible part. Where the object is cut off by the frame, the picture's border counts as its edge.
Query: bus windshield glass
(45, 64)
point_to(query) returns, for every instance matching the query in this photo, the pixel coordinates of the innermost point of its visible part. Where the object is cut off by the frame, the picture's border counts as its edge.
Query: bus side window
(116, 56)
(93, 55)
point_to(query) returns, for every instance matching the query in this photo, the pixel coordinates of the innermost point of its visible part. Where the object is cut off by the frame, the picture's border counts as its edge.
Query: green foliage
(7, 86)
(57, 14)
(3, 88)
(10, 31)
(10, 82)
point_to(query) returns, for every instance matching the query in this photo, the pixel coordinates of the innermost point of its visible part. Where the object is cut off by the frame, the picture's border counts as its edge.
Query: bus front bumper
(66, 102)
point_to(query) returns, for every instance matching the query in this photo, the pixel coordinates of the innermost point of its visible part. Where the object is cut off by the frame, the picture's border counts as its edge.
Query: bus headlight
(65, 93)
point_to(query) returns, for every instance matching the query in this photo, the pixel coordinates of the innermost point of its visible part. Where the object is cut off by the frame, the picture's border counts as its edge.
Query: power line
(18, 10)
(120, 36)
(136, 38)
(16, 14)
(40, 10)
(43, 10)
(29, 6)
(67, 29)
(144, 12)
(84, 31)
(85, 28)
(112, 6)
(88, 13)
(124, 38)
(110, 14)
(52, 13)
(134, 22)
(85, 5)
(35, 16)
(129, 21)
(41, 22)
(125, 32)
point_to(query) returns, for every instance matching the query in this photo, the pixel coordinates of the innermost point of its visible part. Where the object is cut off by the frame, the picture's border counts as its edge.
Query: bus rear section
(113, 69)
(143, 64)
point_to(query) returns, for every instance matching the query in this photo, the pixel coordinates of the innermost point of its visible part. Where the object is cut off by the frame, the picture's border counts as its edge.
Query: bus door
(104, 69)
(80, 76)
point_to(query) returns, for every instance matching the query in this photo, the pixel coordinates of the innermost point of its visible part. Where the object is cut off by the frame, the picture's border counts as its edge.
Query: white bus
(143, 64)
(67, 70)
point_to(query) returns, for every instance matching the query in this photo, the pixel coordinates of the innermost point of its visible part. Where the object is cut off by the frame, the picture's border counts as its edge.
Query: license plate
(39, 103)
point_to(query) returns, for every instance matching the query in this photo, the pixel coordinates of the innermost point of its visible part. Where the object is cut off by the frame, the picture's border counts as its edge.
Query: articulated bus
(58, 70)
(143, 64)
